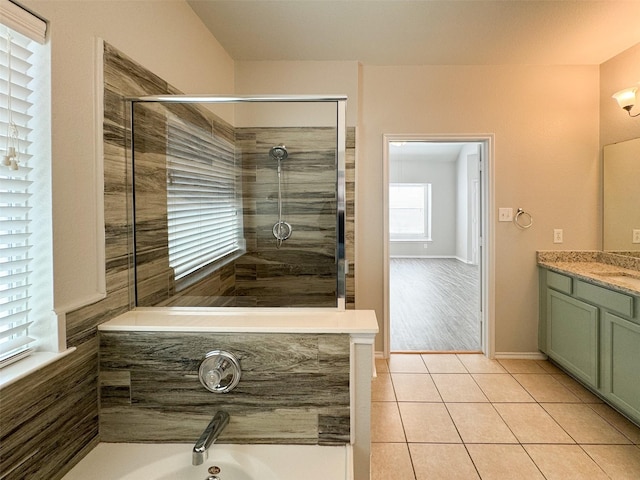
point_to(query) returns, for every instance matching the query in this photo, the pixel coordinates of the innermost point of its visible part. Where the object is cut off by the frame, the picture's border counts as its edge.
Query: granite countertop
(617, 272)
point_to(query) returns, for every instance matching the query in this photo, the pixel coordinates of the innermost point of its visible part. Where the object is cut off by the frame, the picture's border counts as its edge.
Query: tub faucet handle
(219, 371)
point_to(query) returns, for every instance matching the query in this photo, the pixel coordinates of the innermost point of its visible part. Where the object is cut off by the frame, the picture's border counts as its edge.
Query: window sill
(28, 365)
(198, 275)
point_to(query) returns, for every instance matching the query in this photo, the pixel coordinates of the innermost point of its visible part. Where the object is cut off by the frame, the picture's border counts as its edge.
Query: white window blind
(410, 211)
(22, 21)
(204, 225)
(15, 136)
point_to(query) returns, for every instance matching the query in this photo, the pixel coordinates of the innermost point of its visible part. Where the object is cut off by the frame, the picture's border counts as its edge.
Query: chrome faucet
(209, 436)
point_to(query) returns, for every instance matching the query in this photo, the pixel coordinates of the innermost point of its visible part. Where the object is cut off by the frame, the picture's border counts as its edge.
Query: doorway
(437, 268)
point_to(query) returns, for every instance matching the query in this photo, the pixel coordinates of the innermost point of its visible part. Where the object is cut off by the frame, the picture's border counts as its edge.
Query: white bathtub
(260, 462)
(135, 461)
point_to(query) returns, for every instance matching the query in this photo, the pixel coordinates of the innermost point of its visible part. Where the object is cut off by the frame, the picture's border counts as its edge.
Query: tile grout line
(535, 401)
(404, 431)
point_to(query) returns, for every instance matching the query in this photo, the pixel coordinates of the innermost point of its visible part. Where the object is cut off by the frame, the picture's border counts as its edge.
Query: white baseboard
(421, 256)
(520, 356)
(500, 355)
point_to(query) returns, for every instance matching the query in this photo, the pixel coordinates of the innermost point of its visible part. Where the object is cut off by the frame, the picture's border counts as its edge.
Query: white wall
(467, 172)
(165, 37)
(442, 177)
(545, 121)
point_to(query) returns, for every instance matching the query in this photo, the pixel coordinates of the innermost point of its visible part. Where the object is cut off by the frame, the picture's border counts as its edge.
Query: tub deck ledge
(354, 322)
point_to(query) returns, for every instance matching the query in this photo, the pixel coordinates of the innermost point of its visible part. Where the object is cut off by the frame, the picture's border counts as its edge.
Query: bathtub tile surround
(40, 435)
(294, 387)
(322, 362)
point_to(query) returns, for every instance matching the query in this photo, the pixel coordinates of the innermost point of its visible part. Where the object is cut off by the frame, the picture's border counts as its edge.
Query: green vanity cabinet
(593, 333)
(572, 335)
(621, 363)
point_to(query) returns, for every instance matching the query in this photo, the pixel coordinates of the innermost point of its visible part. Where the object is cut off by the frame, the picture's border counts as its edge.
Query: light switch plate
(505, 214)
(636, 235)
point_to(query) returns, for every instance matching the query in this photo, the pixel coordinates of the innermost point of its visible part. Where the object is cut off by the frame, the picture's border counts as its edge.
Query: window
(204, 224)
(410, 211)
(25, 227)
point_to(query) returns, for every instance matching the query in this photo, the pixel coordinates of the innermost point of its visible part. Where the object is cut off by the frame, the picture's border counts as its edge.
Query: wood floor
(435, 305)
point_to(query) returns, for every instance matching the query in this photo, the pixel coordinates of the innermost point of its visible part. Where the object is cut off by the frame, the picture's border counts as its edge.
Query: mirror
(621, 222)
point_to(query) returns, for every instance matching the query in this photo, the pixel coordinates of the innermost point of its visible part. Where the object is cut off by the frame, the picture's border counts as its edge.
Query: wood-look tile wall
(302, 272)
(163, 132)
(294, 387)
(49, 420)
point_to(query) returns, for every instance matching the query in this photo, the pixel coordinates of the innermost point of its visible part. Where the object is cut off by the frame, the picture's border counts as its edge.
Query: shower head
(279, 152)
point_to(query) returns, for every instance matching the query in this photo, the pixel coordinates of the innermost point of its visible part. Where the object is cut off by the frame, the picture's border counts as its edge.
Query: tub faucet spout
(209, 436)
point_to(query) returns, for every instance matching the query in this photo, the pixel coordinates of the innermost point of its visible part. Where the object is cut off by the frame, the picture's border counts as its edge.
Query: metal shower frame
(341, 114)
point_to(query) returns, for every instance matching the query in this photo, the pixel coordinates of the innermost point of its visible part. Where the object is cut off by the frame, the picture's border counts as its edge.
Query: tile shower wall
(163, 132)
(302, 272)
(294, 387)
(57, 423)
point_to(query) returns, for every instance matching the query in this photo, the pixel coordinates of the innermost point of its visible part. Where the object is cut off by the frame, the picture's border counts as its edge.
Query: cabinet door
(572, 335)
(621, 363)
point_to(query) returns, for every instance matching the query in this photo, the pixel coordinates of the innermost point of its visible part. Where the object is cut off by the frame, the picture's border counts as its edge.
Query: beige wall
(545, 122)
(165, 37)
(300, 78)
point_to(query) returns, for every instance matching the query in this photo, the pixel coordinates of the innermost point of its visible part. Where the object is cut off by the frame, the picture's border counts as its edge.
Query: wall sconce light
(627, 99)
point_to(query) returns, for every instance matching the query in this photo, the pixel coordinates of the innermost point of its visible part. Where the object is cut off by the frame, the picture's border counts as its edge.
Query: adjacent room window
(410, 211)
(205, 224)
(25, 209)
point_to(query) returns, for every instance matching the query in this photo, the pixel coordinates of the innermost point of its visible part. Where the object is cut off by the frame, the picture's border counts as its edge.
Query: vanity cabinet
(572, 335)
(620, 358)
(594, 334)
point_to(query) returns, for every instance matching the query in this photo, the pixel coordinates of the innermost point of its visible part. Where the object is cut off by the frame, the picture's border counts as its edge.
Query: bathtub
(137, 461)
(261, 462)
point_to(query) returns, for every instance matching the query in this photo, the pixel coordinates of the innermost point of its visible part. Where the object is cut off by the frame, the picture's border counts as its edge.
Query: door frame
(487, 244)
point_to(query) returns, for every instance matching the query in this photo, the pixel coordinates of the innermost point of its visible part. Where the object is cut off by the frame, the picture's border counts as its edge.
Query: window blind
(20, 20)
(203, 219)
(15, 115)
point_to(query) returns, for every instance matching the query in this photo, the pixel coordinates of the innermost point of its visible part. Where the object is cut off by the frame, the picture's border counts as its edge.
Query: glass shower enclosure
(237, 201)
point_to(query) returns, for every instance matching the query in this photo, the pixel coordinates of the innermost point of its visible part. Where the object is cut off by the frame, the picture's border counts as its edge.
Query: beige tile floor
(446, 416)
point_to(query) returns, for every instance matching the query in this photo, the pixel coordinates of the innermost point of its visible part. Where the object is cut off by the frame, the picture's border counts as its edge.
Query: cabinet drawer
(614, 301)
(559, 282)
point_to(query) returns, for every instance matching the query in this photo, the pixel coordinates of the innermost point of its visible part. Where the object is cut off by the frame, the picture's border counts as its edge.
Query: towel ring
(519, 221)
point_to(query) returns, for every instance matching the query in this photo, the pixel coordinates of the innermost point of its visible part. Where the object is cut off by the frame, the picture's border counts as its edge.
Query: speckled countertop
(618, 272)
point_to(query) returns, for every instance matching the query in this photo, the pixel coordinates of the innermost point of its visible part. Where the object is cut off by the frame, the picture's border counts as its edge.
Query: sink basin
(626, 279)
(630, 279)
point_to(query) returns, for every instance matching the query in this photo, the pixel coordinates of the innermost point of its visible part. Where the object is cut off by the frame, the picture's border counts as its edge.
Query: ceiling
(426, 32)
